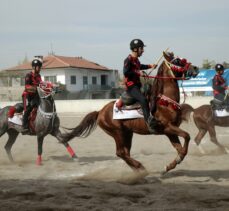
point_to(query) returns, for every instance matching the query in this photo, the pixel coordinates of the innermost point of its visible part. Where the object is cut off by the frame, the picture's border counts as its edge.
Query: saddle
(219, 105)
(15, 116)
(126, 102)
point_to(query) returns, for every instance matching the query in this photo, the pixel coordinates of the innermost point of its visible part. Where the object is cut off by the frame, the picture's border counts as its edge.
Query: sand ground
(99, 180)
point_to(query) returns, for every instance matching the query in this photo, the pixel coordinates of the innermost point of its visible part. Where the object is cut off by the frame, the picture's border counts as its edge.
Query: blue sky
(101, 30)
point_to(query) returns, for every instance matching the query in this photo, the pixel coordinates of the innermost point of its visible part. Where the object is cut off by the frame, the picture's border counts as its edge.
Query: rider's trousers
(135, 92)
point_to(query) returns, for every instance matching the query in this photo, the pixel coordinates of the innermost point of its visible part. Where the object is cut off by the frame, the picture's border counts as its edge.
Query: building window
(73, 79)
(85, 81)
(50, 78)
(104, 80)
(94, 80)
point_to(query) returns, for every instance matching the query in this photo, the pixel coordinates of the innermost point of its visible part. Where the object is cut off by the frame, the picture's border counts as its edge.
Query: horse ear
(169, 56)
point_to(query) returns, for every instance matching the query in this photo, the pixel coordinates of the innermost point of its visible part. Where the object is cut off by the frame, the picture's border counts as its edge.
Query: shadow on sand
(84, 159)
(216, 175)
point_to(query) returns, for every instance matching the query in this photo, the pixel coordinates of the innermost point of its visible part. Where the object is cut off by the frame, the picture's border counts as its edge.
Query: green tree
(208, 64)
(225, 64)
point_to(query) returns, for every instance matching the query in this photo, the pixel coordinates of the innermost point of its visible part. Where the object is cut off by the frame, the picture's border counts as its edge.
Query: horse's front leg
(172, 133)
(40, 140)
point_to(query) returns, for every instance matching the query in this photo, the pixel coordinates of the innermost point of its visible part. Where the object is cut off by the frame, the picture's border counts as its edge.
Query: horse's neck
(47, 105)
(166, 85)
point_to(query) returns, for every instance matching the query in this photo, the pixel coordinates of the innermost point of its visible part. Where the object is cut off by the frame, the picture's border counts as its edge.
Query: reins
(163, 77)
(47, 95)
(168, 64)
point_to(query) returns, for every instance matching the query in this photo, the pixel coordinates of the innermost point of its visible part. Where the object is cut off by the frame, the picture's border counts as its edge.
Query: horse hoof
(39, 161)
(164, 171)
(75, 159)
(201, 150)
(227, 150)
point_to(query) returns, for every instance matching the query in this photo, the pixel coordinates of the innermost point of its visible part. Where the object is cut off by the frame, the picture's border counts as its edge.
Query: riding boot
(150, 120)
(153, 105)
(152, 124)
(26, 120)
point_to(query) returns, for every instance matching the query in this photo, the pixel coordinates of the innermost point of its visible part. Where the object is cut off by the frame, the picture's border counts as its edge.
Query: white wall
(59, 73)
(84, 106)
(64, 76)
(80, 73)
(79, 79)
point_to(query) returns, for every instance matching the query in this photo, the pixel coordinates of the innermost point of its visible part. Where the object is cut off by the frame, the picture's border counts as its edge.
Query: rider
(132, 72)
(219, 84)
(30, 96)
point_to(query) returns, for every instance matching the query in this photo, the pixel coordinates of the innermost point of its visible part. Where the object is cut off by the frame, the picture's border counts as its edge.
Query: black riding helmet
(136, 43)
(219, 67)
(36, 62)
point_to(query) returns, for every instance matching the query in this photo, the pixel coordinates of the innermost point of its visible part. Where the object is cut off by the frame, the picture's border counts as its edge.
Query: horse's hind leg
(198, 139)
(123, 140)
(123, 146)
(56, 133)
(13, 134)
(200, 136)
(214, 140)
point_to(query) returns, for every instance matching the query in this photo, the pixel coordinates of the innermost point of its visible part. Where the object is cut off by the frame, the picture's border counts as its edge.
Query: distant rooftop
(54, 61)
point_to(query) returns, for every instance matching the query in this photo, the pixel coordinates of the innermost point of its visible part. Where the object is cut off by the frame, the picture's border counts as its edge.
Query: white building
(81, 78)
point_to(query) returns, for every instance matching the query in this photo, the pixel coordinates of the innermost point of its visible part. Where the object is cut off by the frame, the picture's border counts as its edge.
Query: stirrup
(151, 130)
(152, 124)
(24, 130)
(152, 121)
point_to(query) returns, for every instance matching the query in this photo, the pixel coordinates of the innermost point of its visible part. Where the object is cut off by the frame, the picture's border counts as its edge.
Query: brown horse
(205, 121)
(168, 114)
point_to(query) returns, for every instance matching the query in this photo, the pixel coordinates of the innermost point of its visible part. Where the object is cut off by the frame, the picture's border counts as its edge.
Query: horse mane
(157, 86)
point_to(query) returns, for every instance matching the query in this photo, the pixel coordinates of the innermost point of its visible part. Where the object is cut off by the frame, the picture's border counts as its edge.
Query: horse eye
(176, 62)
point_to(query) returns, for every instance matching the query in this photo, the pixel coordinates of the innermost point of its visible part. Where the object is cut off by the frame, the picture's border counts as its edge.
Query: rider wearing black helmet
(219, 84)
(132, 72)
(30, 96)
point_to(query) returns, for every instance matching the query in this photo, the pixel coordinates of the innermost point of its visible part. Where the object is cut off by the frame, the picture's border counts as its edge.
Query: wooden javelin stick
(159, 60)
(161, 56)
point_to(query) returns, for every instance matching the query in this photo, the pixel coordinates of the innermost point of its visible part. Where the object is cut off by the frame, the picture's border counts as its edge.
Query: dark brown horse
(168, 114)
(205, 121)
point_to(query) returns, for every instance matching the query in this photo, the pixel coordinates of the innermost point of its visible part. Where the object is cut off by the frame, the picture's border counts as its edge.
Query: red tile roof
(54, 61)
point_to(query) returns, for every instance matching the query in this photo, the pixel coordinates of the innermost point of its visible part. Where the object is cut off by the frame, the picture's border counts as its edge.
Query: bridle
(46, 94)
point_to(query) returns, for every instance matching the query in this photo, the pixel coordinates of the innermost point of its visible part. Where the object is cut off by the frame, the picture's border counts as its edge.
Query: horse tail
(67, 128)
(84, 129)
(186, 110)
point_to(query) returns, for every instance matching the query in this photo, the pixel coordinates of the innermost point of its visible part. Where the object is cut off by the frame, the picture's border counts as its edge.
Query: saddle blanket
(126, 114)
(16, 119)
(221, 113)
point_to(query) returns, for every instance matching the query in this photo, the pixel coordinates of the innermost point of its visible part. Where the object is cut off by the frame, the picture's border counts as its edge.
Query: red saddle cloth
(11, 111)
(31, 119)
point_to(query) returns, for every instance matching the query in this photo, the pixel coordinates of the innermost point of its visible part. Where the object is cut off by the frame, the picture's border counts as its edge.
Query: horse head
(46, 89)
(171, 70)
(180, 67)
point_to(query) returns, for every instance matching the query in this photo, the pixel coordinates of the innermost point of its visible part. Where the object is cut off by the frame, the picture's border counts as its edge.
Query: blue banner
(203, 82)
